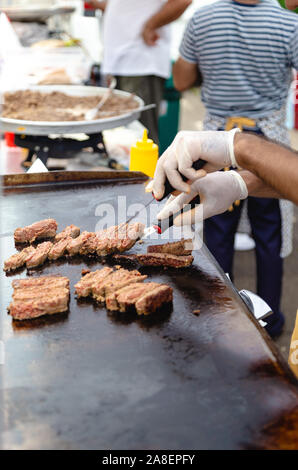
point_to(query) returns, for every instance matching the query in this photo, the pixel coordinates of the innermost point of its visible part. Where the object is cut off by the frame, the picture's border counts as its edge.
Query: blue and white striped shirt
(245, 54)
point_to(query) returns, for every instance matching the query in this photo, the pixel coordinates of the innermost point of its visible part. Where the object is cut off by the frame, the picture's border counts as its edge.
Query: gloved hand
(217, 191)
(216, 147)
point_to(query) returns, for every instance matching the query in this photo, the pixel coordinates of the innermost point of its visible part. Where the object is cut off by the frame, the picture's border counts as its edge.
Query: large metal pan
(19, 126)
(35, 13)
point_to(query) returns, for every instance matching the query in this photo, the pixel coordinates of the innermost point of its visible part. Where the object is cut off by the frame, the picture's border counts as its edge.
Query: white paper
(37, 167)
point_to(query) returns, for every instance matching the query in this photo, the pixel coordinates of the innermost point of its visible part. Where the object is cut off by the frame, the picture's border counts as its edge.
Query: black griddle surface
(90, 379)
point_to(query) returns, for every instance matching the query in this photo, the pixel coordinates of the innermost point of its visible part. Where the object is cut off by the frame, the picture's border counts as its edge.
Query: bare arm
(185, 74)
(169, 12)
(274, 164)
(256, 187)
(291, 4)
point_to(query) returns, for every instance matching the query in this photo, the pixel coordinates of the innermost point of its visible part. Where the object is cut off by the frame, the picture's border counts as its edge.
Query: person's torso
(243, 54)
(125, 52)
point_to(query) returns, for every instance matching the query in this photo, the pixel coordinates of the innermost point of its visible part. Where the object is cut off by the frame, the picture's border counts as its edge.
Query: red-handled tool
(162, 225)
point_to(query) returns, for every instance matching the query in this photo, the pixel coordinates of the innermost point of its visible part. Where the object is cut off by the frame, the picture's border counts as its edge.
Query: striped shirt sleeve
(188, 50)
(293, 51)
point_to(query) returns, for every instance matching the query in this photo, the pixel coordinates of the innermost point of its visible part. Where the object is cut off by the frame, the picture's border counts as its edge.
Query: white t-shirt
(125, 52)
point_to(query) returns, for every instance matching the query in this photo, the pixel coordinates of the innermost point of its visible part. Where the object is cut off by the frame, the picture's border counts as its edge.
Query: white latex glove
(216, 147)
(217, 191)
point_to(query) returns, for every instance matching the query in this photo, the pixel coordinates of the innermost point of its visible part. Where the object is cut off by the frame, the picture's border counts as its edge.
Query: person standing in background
(136, 39)
(245, 51)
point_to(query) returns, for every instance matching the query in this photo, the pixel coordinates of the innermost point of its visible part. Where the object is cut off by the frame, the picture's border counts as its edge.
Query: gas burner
(44, 147)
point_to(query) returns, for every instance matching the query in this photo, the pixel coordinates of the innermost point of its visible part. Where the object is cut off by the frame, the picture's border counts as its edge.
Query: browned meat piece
(102, 241)
(18, 259)
(114, 282)
(126, 297)
(154, 299)
(69, 231)
(39, 256)
(43, 229)
(158, 259)
(83, 288)
(113, 239)
(46, 305)
(89, 244)
(123, 289)
(182, 247)
(59, 249)
(119, 238)
(108, 241)
(33, 282)
(128, 235)
(37, 292)
(39, 296)
(76, 244)
(164, 259)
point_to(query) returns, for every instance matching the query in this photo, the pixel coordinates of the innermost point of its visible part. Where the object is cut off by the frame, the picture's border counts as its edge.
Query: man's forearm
(169, 12)
(274, 164)
(256, 187)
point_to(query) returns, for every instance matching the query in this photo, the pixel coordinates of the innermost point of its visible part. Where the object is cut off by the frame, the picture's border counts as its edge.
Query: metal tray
(35, 13)
(90, 379)
(19, 126)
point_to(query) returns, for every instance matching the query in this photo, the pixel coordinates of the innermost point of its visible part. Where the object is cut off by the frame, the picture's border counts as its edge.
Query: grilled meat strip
(43, 229)
(76, 244)
(39, 256)
(89, 245)
(164, 259)
(182, 247)
(44, 281)
(38, 292)
(128, 235)
(158, 259)
(114, 282)
(112, 239)
(123, 289)
(106, 241)
(18, 259)
(69, 231)
(83, 288)
(154, 299)
(102, 242)
(59, 248)
(115, 239)
(33, 308)
(39, 296)
(125, 298)
(118, 238)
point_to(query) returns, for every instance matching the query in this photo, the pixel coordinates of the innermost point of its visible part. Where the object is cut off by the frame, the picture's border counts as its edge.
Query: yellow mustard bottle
(144, 156)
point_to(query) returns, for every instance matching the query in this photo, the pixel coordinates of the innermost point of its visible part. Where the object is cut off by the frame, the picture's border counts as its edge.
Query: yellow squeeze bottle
(144, 156)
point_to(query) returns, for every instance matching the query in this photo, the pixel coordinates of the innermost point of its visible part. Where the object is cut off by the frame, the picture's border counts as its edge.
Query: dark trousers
(151, 89)
(265, 219)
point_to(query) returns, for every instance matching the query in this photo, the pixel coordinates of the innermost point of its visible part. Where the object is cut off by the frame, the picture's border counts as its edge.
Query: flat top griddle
(90, 379)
